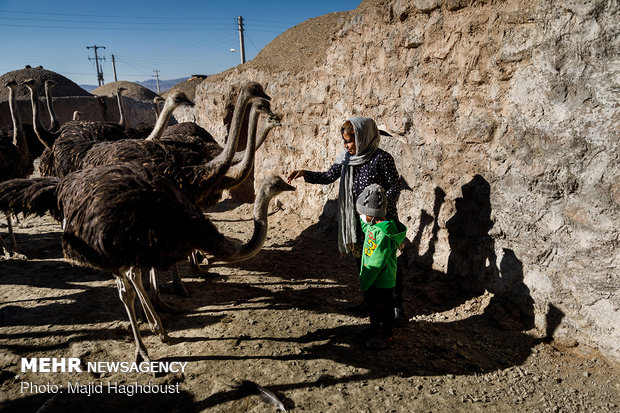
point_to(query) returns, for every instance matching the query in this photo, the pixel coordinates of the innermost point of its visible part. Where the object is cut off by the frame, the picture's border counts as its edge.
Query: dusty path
(279, 320)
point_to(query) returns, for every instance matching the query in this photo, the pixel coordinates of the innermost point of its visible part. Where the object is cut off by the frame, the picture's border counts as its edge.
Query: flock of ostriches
(132, 199)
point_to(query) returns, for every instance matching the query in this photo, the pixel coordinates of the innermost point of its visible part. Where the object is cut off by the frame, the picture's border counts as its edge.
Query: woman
(361, 163)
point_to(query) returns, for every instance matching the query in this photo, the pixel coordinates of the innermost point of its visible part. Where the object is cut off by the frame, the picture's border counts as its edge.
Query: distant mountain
(163, 84)
(88, 88)
(149, 84)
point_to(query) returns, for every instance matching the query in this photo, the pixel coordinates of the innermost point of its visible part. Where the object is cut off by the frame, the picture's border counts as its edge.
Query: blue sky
(178, 38)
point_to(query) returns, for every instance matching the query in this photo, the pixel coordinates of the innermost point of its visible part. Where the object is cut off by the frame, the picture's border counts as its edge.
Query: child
(378, 271)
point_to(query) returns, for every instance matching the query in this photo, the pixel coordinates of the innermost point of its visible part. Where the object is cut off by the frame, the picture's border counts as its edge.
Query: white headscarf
(367, 140)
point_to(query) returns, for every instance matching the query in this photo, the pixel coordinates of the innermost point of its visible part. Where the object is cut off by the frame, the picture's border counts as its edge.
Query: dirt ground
(281, 321)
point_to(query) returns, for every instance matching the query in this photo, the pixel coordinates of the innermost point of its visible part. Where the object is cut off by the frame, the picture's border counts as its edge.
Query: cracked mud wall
(506, 122)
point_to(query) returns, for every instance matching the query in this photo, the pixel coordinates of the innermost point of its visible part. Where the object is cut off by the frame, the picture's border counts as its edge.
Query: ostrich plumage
(196, 179)
(76, 138)
(120, 218)
(190, 168)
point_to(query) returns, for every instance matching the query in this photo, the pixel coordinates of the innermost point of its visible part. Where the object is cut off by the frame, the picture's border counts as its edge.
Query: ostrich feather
(251, 387)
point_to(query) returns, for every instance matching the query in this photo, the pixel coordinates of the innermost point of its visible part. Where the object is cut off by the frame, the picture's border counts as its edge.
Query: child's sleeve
(364, 225)
(375, 254)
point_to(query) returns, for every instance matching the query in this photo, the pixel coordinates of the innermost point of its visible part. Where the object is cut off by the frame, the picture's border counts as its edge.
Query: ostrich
(196, 180)
(185, 167)
(15, 158)
(77, 138)
(121, 107)
(120, 218)
(54, 122)
(133, 133)
(46, 137)
(97, 130)
(233, 178)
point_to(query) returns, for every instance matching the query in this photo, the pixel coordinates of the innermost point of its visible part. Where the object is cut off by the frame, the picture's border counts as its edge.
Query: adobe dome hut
(134, 90)
(64, 86)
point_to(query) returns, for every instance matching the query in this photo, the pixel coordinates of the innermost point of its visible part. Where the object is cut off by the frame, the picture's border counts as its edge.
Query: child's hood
(394, 229)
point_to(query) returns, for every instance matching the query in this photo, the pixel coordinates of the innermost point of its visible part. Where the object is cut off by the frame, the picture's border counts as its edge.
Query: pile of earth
(188, 86)
(301, 47)
(64, 86)
(133, 90)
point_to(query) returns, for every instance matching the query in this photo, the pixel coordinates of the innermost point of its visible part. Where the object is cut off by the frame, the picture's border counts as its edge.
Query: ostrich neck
(240, 155)
(162, 122)
(211, 173)
(46, 138)
(36, 122)
(223, 160)
(19, 139)
(241, 172)
(54, 122)
(121, 108)
(229, 250)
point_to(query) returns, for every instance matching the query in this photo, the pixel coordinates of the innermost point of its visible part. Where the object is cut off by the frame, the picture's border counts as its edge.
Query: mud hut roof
(134, 90)
(188, 86)
(64, 86)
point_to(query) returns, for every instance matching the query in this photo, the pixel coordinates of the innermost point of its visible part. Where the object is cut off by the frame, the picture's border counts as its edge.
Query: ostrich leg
(9, 222)
(127, 295)
(177, 283)
(196, 260)
(3, 246)
(135, 278)
(155, 294)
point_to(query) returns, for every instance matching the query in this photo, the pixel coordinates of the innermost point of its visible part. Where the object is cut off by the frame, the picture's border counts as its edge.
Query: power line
(99, 16)
(97, 59)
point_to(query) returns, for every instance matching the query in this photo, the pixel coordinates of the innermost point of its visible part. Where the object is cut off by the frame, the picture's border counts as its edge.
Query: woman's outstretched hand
(296, 174)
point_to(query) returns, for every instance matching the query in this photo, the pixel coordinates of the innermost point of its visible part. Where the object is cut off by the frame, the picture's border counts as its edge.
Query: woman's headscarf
(367, 140)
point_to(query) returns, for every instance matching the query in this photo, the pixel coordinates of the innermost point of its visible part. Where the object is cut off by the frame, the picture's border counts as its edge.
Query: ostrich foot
(17, 256)
(165, 338)
(197, 261)
(142, 355)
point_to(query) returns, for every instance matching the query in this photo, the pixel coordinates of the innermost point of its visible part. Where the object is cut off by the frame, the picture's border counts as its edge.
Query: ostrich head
(255, 89)
(11, 84)
(272, 186)
(274, 120)
(50, 83)
(29, 83)
(179, 98)
(262, 105)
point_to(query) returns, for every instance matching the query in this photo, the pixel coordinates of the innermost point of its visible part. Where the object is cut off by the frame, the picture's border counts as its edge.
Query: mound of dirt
(188, 87)
(301, 47)
(64, 86)
(134, 90)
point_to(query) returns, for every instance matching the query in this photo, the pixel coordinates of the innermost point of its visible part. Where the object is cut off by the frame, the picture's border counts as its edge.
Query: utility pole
(156, 76)
(114, 68)
(97, 59)
(241, 43)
